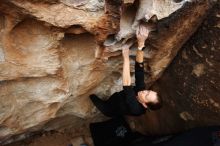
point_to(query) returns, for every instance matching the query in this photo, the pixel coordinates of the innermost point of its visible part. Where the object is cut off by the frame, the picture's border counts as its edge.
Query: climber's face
(147, 96)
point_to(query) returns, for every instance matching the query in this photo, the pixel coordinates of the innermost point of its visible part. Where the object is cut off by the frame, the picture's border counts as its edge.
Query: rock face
(190, 86)
(52, 56)
(194, 76)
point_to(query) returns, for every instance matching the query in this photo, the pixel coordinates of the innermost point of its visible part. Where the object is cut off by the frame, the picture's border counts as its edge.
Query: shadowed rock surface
(190, 86)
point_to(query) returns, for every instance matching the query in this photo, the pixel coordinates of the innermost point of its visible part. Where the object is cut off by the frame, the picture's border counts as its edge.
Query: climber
(131, 100)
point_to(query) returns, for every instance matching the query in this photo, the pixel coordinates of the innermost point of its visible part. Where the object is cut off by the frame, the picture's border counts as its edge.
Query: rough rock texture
(35, 54)
(190, 86)
(52, 56)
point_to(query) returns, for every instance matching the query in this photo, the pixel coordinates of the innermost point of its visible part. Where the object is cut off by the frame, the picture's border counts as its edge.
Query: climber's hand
(142, 34)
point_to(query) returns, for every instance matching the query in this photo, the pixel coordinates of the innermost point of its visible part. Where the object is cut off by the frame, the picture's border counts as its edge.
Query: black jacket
(125, 101)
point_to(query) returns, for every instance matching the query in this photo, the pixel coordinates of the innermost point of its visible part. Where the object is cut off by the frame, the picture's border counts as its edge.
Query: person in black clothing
(131, 100)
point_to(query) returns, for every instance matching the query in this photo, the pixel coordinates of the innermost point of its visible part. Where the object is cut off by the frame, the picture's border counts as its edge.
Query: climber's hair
(157, 105)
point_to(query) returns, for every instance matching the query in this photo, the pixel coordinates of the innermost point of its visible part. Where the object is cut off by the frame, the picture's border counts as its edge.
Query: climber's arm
(126, 76)
(130, 97)
(139, 56)
(142, 35)
(139, 71)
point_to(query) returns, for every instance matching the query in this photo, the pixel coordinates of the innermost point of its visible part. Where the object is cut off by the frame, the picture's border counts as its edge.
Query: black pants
(113, 132)
(116, 132)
